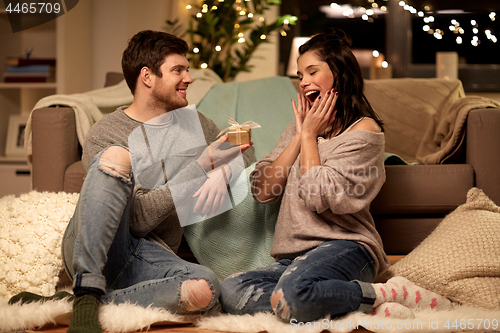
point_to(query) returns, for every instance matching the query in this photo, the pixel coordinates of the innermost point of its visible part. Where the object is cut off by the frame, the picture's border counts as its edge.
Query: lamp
(447, 65)
(294, 55)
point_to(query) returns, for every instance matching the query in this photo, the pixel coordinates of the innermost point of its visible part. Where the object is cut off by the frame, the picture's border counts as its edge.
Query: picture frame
(14, 146)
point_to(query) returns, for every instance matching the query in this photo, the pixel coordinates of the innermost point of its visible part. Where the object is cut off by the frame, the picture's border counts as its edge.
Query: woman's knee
(116, 160)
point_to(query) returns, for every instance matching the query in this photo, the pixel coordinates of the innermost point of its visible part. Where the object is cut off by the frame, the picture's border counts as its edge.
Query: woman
(327, 168)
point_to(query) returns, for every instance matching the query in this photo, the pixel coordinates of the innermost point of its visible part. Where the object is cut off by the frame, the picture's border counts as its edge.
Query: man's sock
(27, 297)
(85, 317)
(400, 290)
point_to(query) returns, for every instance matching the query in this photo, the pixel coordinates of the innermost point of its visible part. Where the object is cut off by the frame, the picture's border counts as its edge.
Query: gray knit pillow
(460, 259)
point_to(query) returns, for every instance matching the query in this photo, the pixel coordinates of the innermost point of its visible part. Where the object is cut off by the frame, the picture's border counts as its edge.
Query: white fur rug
(31, 228)
(129, 318)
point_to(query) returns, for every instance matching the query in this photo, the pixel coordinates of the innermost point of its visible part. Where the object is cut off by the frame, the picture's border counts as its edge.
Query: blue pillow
(237, 240)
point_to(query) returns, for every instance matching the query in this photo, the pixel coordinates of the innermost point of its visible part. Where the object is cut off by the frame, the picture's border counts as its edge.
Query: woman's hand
(213, 192)
(299, 110)
(320, 116)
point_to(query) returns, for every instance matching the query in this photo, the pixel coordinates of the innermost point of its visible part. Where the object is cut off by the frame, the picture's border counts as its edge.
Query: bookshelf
(66, 39)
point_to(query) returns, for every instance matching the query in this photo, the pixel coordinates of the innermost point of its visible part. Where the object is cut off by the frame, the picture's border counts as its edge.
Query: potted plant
(224, 34)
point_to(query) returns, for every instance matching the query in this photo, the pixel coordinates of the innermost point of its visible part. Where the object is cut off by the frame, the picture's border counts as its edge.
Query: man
(120, 244)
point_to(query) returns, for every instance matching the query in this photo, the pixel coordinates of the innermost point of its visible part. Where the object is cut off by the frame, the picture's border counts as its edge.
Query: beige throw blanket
(445, 136)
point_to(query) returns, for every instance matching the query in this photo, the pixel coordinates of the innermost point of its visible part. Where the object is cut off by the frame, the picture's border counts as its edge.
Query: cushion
(31, 231)
(237, 240)
(460, 259)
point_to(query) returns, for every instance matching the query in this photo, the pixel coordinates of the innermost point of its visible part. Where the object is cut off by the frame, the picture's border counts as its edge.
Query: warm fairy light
(383, 8)
(240, 34)
(365, 17)
(402, 3)
(421, 14)
(250, 15)
(376, 53)
(286, 22)
(283, 33)
(241, 40)
(196, 50)
(236, 25)
(218, 48)
(459, 40)
(385, 64)
(473, 22)
(492, 16)
(369, 12)
(188, 7)
(475, 30)
(334, 5)
(199, 15)
(426, 28)
(262, 19)
(263, 36)
(204, 65)
(214, 8)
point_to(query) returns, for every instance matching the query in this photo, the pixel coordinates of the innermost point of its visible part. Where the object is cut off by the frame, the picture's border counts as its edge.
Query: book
(14, 61)
(26, 79)
(30, 68)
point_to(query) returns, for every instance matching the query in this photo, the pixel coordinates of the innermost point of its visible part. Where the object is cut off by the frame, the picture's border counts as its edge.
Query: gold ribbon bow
(235, 126)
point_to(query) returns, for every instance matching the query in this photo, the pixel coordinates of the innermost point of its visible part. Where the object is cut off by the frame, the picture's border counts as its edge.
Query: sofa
(421, 119)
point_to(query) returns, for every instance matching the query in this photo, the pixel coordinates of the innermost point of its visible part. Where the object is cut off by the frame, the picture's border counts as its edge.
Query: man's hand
(213, 191)
(213, 157)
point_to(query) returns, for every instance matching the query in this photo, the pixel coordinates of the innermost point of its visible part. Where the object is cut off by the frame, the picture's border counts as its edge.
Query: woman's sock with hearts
(398, 289)
(393, 310)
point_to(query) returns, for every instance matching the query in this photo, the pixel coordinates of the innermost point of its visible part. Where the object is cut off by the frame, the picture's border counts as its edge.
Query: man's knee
(116, 160)
(196, 294)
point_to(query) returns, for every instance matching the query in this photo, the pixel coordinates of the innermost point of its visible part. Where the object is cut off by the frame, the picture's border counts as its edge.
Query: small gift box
(239, 134)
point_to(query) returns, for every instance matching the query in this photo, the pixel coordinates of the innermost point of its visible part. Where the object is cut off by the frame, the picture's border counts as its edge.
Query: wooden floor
(165, 329)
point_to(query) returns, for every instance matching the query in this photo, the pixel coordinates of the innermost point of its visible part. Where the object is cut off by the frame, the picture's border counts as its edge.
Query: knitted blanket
(447, 133)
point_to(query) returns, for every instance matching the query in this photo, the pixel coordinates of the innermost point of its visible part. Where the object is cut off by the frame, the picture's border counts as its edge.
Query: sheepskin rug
(129, 318)
(31, 229)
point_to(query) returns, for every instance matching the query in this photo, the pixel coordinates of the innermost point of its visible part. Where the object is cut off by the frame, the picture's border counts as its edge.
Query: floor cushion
(460, 259)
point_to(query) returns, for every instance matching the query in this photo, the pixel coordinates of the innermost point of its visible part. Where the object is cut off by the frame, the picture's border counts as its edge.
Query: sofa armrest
(55, 147)
(483, 150)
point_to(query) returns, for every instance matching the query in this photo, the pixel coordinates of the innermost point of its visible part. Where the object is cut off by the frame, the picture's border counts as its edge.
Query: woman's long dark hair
(334, 48)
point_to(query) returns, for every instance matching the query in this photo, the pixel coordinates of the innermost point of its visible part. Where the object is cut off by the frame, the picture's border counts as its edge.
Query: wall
(114, 22)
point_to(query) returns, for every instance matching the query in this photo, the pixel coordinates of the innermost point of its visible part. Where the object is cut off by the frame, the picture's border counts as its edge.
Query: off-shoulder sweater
(332, 200)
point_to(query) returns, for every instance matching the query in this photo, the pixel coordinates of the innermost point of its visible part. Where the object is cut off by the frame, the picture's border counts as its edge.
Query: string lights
(455, 27)
(430, 25)
(225, 33)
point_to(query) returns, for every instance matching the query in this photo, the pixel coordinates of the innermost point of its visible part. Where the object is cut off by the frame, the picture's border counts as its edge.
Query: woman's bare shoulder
(367, 124)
